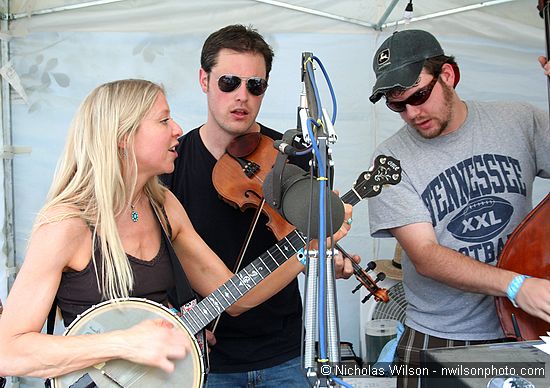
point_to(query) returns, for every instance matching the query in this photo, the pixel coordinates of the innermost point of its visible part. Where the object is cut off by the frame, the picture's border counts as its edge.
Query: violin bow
(244, 248)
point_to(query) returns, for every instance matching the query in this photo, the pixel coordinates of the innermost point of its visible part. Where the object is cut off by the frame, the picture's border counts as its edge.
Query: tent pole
(385, 16)
(544, 8)
(312, 11)
(61, 8)
(451, 11)
(8, 247)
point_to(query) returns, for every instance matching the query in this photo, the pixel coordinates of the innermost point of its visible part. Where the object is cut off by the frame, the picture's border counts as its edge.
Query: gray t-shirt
(474, 186)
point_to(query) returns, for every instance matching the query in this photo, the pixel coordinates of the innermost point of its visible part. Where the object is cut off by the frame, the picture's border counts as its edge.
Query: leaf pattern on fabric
(40, 78)
(148, 50)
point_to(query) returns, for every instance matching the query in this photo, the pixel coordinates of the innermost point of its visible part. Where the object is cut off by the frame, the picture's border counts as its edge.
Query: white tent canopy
(347, 16)
(60, 50)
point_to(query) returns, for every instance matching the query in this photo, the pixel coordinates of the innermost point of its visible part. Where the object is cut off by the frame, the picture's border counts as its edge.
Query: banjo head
(121, 314)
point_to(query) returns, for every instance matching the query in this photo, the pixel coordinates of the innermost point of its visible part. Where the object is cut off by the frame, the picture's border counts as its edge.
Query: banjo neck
(228, 293)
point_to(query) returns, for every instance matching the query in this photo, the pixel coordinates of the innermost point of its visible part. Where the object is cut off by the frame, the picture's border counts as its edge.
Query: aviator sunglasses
(418, 98)
(255, 85)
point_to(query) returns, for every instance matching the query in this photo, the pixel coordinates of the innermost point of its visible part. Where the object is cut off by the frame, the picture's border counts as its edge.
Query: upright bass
(527, 251)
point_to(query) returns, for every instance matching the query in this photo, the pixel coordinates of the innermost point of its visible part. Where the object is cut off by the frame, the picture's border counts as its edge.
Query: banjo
(123, 313)
(189, 372)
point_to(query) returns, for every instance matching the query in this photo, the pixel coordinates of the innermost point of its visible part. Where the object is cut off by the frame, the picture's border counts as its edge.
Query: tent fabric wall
(61, 57)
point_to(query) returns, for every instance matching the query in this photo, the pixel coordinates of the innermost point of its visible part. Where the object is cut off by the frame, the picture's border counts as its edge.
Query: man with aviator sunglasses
(261, 347)
(468, 176)
(255, 85)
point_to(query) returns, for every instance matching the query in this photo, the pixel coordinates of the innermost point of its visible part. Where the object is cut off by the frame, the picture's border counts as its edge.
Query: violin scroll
(380, 294)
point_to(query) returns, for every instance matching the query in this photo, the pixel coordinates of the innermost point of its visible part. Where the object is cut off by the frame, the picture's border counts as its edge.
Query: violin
(239, 174)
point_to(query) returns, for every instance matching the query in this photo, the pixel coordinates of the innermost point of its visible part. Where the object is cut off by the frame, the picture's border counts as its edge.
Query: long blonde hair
(97, 172)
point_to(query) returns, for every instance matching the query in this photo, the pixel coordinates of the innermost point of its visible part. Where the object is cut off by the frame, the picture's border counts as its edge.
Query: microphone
(284, 147)
(286, 144)
(295, 201)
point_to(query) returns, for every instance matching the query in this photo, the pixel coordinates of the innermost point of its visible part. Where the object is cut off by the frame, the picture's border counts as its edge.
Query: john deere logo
(383, 57)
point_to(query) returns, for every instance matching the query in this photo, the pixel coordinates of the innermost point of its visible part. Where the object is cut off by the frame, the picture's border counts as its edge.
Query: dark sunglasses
(418, 98)
(255, 85)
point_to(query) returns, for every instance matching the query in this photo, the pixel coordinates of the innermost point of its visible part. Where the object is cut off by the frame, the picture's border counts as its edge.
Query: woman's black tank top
(153, 280)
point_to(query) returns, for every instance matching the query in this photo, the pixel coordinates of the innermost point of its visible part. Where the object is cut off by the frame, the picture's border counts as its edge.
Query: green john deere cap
(399, 60)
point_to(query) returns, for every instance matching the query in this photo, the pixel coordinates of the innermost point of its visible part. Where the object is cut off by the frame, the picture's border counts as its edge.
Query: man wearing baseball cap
(468, 172)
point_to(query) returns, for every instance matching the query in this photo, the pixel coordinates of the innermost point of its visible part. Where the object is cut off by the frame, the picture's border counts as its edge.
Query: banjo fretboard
(214, 304)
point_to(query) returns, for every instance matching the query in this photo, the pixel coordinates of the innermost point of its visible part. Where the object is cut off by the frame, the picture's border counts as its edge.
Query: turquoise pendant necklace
(135, 215)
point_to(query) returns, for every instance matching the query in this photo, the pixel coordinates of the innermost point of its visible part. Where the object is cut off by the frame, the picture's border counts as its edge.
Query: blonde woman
(99, 237)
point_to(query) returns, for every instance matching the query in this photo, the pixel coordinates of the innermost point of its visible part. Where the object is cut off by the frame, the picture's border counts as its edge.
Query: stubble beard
(446, 115)
(236, 130)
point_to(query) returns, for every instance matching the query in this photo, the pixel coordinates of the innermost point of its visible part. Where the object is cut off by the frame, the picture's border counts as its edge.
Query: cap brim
(402, 77)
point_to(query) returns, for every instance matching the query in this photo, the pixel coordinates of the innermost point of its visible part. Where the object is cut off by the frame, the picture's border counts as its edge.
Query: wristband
(301, 256)
(513, 288)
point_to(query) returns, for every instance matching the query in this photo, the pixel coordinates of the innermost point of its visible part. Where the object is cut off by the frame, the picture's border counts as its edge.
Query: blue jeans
(289, 374)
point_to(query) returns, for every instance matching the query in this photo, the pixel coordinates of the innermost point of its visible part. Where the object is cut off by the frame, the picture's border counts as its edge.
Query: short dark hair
(238, 38)
(434, 64)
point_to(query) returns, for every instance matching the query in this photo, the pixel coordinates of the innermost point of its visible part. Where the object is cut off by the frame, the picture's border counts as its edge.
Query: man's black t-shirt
(270, 333)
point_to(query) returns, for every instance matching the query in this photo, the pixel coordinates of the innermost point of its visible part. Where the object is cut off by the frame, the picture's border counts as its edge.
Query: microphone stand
(320, 307)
